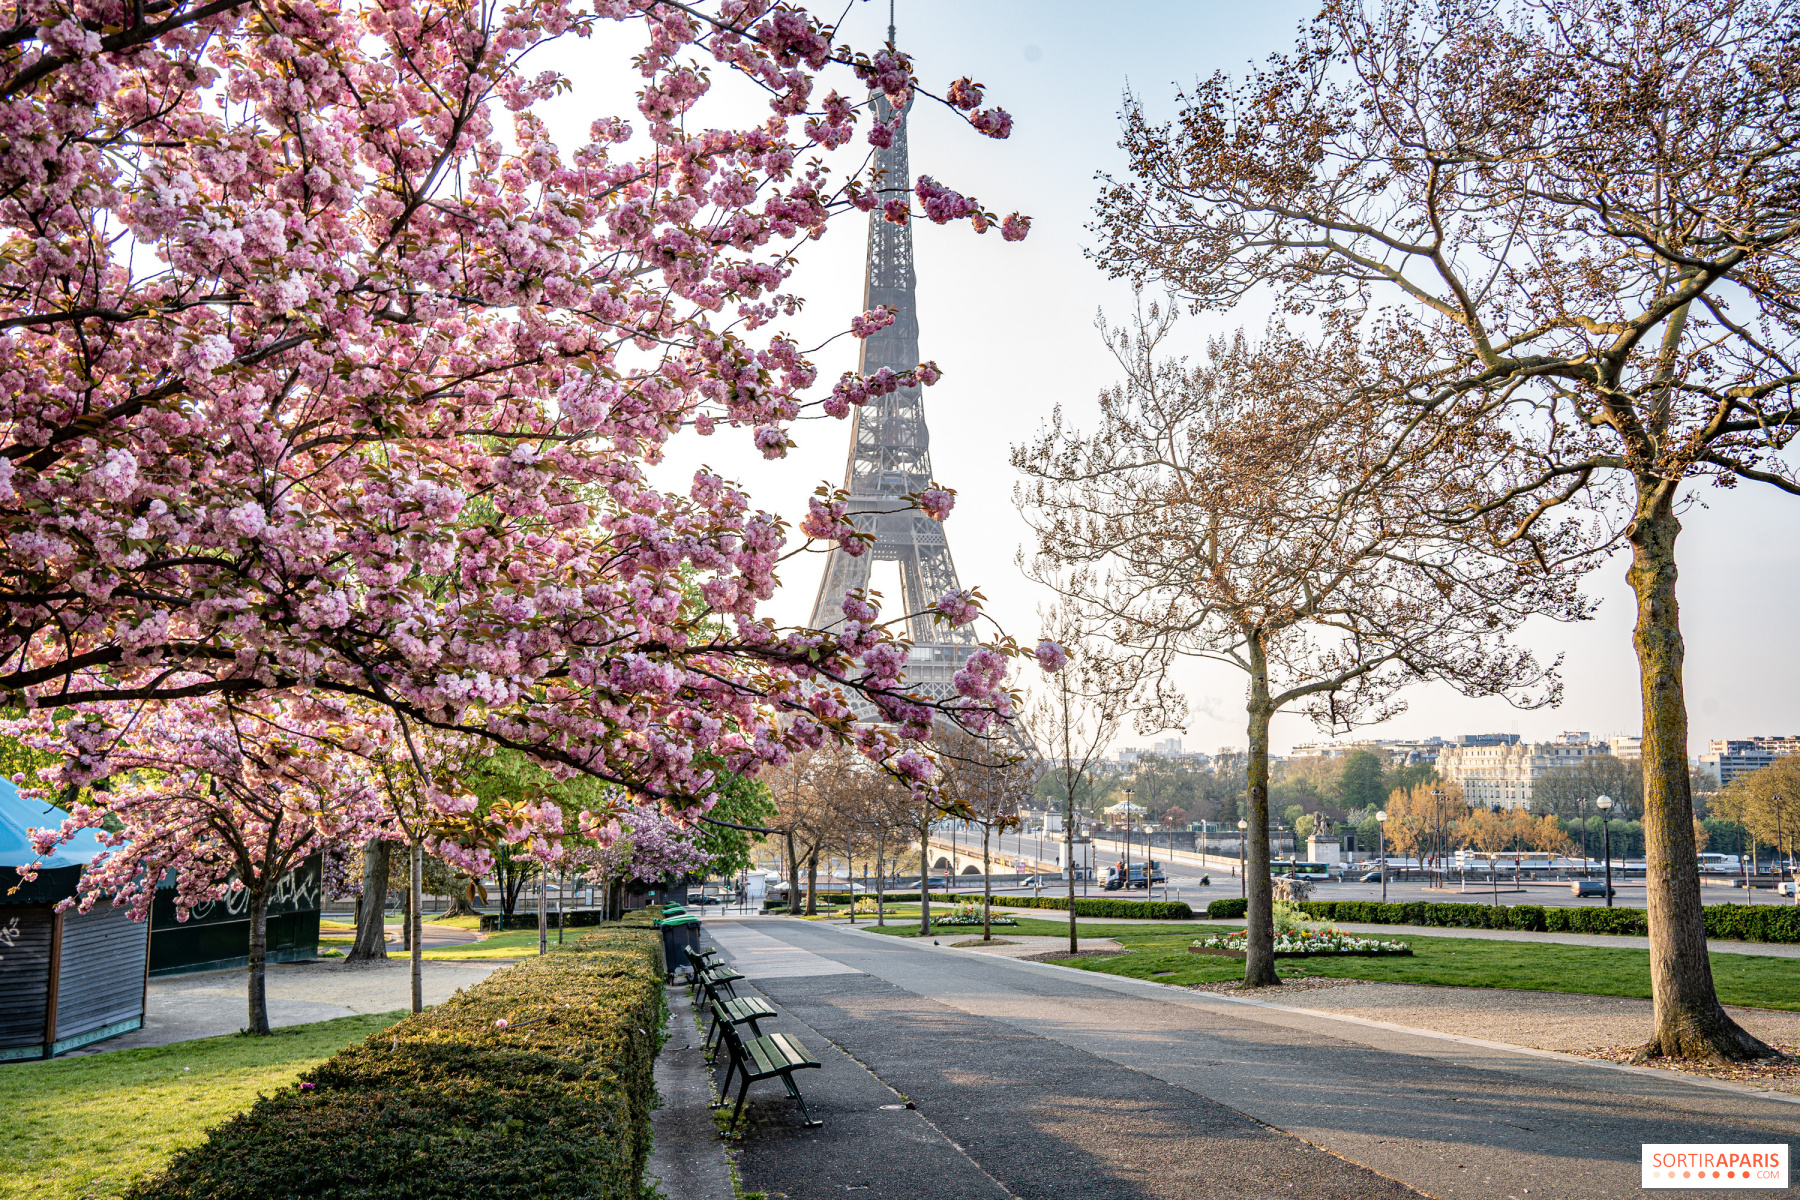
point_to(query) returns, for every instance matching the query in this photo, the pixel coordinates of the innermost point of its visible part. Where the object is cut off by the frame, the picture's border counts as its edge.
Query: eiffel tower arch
(890, 456)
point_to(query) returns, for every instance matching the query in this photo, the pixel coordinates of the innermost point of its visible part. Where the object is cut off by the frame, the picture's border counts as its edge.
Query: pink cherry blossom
(936, 502)
(1051, 656)
(959, 607)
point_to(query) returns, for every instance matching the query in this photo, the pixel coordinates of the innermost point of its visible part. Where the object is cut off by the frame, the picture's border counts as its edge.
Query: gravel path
(1590, 1025)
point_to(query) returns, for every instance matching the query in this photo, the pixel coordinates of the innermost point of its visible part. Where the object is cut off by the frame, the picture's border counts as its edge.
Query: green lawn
(1756, 981)
(1752, 980)
(77, 1128)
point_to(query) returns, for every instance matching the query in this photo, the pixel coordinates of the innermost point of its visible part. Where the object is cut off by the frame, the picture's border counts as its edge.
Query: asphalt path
(1055, 1083)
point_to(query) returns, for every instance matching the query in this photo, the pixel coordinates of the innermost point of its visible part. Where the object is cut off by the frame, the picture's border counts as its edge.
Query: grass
(1754, 981)
(85, 1127)
(514, 943)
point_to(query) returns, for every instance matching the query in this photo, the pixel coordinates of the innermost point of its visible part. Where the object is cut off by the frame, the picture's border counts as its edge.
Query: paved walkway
(1041, 1082)
(211, 1003)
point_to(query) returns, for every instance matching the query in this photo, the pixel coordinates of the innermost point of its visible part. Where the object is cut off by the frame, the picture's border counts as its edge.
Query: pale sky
(1011, 324)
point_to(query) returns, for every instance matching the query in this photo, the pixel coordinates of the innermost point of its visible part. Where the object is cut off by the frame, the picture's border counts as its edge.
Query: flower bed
(969, 913)
(1303, 943)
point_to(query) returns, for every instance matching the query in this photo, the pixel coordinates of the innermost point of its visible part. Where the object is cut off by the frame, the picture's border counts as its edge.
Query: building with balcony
(1504, 773)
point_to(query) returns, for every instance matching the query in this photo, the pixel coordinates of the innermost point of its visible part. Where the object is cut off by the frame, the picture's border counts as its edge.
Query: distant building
(1483, 739)
(1626, 747)
(1395, 751)
(1169, 747)
(1504, 772)
(1732, 757)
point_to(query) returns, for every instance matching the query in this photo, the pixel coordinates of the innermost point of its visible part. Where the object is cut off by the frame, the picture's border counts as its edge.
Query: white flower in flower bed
(1309, 941)
(969, 913)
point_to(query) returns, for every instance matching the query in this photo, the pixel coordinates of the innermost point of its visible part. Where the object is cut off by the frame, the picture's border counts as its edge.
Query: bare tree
(1253, 511)
(1075, 715)
(985, 779)
(1579, 211)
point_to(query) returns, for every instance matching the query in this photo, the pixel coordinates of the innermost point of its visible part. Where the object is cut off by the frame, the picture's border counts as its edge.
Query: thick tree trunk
(371, 931)
(1689, 1022)
(415, 892)
(925, 879)
(259, 961)
(1259, 950)
(793, 865)
(812, 884)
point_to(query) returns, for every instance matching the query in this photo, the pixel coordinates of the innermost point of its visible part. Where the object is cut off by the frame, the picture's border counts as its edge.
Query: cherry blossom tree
(324, 369)
(229, 794)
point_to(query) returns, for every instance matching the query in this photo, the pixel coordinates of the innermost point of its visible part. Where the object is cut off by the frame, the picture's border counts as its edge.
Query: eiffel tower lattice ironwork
(890, 456)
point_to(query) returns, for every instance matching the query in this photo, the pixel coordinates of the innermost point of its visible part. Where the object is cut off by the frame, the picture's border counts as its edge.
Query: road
(1039, 1082)
(1187, 878)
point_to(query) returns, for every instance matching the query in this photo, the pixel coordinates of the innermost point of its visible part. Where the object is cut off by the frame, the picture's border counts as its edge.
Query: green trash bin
(678, 933)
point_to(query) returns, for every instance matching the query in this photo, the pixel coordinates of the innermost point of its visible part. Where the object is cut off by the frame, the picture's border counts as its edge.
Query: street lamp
(1381, 830)
(1242, 885)
(1604, 804)
(1437, 818)
(1126, 882)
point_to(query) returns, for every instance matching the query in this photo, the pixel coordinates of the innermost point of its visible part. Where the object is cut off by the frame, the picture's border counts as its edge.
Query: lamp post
(1381, 833)
(1125, 883)
(1604, 804)
(1243, 887)
(1581, 813)
(1437, 819)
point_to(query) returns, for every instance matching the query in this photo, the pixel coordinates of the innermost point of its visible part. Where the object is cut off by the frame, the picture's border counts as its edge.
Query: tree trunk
(415, 924)
(812, 884)
(1069, 857)
(987, 888)
(925, 879)
(793, 877)
(1689, 1022)
(1259, 949)
(371, 931)
(259, 960)
(543, 927)
(880, 866)
(406, 908)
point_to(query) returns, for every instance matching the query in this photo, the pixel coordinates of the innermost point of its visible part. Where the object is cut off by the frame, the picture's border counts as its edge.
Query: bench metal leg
(788, 1079)
(730, 1067)
(743, 1091)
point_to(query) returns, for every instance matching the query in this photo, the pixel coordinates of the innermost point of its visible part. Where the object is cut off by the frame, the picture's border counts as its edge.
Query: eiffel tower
(890, 455)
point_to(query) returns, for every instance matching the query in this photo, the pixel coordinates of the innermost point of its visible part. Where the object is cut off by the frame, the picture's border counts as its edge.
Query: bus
(1301, 870)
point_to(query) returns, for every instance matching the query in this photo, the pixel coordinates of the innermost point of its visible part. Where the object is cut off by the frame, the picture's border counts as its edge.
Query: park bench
(737, 1010)
(714, 980)
(768, 1056)
(700, 960)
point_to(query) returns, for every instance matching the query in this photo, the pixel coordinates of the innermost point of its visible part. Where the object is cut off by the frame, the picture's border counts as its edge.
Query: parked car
(1590, 887)
(708, 900)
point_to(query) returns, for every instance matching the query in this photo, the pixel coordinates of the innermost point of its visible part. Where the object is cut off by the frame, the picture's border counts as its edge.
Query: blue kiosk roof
(58, 870)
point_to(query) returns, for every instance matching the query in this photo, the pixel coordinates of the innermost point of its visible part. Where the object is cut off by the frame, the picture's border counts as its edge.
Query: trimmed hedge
(573, 918)
(1085, 906)
(447, 1105)
(1736, 922)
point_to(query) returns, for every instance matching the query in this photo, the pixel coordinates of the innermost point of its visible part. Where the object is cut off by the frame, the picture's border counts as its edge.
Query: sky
(1012, 326)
